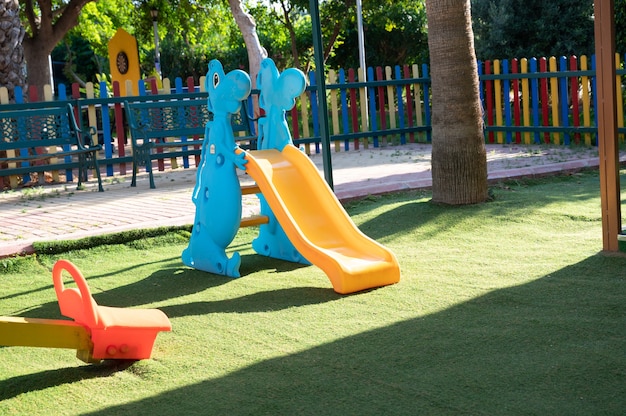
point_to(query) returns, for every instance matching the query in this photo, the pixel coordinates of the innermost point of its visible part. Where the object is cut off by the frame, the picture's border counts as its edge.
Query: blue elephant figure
(217, 193)
(278, 94)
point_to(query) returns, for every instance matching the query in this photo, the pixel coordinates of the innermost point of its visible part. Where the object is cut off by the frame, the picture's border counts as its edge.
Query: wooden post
(607, 123)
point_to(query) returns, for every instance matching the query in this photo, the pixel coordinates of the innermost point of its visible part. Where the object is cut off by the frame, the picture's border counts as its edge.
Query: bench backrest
(176, 118)
(26, 126)
(159, 119)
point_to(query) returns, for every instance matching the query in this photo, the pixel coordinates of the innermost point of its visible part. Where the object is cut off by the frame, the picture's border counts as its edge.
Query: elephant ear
(291, 85)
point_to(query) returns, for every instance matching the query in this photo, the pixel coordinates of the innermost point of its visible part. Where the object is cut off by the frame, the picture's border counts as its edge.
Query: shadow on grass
(516, 198)
(23, 384)
(173, 282)
(551, 346)
(258, 302)
(88, 275)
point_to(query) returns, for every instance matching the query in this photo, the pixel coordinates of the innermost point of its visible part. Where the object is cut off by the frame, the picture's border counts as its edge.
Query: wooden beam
(48, 333)
(607, 123)
(253, 220)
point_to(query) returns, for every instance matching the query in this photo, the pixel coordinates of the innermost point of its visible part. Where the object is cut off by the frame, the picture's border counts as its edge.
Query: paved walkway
(60, 212)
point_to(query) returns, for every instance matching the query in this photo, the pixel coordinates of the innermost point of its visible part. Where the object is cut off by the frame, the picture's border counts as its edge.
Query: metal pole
(157, 57)
(361, 37)
(321, 91)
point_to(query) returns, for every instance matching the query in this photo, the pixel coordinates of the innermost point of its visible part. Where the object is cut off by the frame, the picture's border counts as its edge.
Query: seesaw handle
(74, 303)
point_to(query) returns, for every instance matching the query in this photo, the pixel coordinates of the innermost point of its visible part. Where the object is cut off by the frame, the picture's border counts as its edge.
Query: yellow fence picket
(13, 179)
(586, 99)
(417, 99)
(497, 87)
(363, 105)
(554, 98)
(334, 111)
(525, 99)
(391, 101)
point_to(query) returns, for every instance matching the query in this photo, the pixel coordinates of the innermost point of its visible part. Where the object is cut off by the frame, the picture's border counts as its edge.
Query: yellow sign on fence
(124, 60)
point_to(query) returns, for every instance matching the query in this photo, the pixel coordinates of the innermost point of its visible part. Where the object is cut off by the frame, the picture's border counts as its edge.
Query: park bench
(163, 128)
(43, 137)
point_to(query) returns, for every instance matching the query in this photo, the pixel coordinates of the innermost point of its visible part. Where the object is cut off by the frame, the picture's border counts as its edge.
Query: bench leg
(82, 169)
(141, 157)
(96, 167)
(133, 181)
(86, 161)
(150, 174)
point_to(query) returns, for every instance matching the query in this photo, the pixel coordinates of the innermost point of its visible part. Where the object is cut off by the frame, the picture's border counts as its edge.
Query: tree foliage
(620, 26)
(194, 31)
(395, 33)
(530, 28)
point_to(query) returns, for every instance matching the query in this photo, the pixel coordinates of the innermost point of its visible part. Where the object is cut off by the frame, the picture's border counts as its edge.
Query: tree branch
(68, 18)
(33, 22)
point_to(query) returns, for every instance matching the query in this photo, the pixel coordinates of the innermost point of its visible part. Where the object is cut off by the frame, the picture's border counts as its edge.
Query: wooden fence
(546, 100)
(527, 101)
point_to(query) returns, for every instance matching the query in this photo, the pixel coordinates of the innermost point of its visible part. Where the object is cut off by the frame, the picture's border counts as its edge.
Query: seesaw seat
(116, 333)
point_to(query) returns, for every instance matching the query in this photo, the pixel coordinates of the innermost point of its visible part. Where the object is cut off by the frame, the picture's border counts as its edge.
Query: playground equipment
(305, 221)
(97, 332)
(217, 194)
(278, 94)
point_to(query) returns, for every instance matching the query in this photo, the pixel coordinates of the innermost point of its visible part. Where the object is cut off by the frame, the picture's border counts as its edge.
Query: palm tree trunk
(459, 162)
(12, 64)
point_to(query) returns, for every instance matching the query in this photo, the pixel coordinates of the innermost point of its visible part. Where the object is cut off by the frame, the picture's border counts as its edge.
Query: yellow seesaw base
(47, 333)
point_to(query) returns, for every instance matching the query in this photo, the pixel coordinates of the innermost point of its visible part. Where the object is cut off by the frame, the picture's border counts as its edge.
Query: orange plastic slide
(316, 223)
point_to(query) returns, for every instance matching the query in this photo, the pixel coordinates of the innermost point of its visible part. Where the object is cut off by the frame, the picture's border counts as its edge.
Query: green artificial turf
(503, 308)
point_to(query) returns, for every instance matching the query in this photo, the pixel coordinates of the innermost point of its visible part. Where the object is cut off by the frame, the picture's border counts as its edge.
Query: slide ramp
(316, 222)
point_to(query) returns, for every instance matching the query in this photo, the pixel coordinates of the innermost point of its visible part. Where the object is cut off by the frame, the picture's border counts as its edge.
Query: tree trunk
(459, 161)
(12, 64)
(247, 26)
(47, 28)
(38, 61)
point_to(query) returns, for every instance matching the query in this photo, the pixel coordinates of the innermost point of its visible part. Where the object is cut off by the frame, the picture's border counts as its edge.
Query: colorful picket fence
(545, 100)
(526, 101)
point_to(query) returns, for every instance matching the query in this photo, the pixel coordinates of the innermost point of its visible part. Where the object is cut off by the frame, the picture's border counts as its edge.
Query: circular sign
(122, 62)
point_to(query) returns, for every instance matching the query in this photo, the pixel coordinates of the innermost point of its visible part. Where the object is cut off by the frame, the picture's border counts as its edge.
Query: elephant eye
(216, 80)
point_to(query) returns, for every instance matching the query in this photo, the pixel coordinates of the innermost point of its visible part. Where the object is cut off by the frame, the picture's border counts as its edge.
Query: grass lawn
(504, 308)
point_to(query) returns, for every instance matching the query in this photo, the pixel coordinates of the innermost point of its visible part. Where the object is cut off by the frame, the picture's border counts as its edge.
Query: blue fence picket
(564, 104)
(426, 102)
(19, 99)
(506, 91)
(343, 97)
(372, 107)
(106, 129)
(401, 118)
(534, 91)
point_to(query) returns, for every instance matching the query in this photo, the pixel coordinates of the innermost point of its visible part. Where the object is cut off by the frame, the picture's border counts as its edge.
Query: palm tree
(12, 65)
(459, 161)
